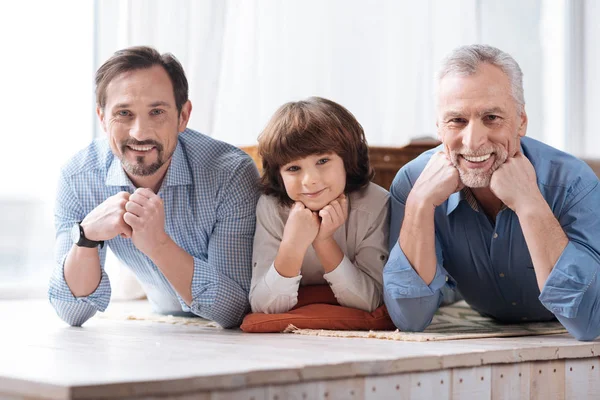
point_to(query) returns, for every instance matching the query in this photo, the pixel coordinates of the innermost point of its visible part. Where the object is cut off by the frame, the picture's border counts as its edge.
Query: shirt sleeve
(411, 303)
(572, 290)
(270, 292)
(221, 279)
(73, 310)
(359, 284)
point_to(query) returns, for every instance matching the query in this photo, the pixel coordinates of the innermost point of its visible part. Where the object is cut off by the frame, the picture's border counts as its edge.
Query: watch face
(75, 233)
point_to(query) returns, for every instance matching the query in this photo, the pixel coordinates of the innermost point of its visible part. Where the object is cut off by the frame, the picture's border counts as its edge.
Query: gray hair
(465, 60)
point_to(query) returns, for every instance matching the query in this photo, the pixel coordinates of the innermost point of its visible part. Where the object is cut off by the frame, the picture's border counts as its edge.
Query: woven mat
(140, 311)
(458, 321)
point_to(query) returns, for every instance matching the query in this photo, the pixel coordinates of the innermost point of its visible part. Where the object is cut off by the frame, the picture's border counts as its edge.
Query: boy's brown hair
(312, 126)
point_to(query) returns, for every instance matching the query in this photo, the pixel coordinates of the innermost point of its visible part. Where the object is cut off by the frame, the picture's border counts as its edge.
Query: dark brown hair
(312, 126)
(141, 57)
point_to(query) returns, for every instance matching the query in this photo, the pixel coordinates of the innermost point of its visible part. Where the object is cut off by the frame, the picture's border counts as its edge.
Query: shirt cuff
(59, 290)
(402, 281)
(278, 284)
(342, 274)
(215, 296)
(568, 281)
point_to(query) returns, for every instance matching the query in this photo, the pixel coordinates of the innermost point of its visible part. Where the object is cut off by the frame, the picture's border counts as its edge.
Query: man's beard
(140, 168)
(473, 178)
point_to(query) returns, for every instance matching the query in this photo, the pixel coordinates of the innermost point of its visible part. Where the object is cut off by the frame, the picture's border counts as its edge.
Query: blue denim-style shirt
(489, 262)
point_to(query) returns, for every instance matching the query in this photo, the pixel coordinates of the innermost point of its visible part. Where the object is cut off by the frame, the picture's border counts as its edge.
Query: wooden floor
(41, 357)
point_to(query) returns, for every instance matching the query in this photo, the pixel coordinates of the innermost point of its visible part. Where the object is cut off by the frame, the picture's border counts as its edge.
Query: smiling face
(479, 123)
(315, 180)
(142, 122)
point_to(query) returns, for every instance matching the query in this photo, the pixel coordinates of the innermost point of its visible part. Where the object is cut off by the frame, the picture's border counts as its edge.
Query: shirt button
(495, 235)
(446, 278)
(514, 303)
(501, 275)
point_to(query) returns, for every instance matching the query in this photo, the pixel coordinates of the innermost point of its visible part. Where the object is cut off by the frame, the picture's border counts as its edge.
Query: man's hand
(515, 183)
(301, 227)
(146, 216)
(438, 181)
(333, 215)
(106, 220)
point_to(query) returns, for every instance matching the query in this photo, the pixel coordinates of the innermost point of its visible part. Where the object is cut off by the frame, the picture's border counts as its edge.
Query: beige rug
(457, 321)
(140, 311)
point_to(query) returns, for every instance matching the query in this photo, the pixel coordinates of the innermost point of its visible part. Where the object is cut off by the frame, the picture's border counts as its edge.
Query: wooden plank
(547, 380)
(242, 394)
(430, 385)
(297, 391)
(582, 379)
(511, 381)
(471, 383)
(388, 387)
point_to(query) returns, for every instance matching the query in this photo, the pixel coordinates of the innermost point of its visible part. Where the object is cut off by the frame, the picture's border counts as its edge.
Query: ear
(184, 116)
(523, 123)
(100, 114)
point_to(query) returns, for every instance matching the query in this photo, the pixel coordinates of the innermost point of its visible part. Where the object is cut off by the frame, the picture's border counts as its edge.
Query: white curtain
(246, 58)
(46, 109)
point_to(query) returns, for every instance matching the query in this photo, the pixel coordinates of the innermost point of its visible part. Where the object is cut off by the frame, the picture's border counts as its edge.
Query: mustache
(133, 142)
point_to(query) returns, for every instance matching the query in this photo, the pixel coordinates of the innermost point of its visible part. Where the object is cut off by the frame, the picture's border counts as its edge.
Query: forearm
(353, 287)
(289, 258)
(177, 266)
(417, 237)
(82, 270)
(412, 314)
(273, 293)
(544, 236)
(329, 253)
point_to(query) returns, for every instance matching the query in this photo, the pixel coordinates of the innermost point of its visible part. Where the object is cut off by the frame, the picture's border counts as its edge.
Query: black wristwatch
(78, 237)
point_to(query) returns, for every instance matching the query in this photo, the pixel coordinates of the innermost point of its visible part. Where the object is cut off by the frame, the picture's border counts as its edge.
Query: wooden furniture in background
(386, 161)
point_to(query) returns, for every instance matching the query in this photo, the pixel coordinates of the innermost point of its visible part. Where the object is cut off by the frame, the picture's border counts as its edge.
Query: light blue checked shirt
(490, 263)
(209, 193)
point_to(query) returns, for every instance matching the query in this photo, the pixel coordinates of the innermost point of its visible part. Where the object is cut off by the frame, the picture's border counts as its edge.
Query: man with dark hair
(508, 220)
(175, 206)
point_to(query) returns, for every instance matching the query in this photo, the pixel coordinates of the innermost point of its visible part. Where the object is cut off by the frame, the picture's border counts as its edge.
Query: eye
(293, 168)
(123, 113)
(322, 161)
(492, 118)
(157, 111)
(457, 121)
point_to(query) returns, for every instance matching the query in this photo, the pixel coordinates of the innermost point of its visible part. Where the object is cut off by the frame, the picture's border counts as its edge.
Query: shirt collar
(178, 172)
(454, 200)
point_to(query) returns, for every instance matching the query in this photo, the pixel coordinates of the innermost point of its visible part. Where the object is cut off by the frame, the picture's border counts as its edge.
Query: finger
(325, 215)
(147, 193)
(139, 199)
(126, 231)
(123, 195)
(132, 220)
(134, 208)
(337, 212)
(315, 217)
(298, 206)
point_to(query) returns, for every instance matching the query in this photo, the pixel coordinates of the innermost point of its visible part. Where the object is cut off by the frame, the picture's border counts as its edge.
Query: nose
(138, 129)
(474, 135)
(310, 177)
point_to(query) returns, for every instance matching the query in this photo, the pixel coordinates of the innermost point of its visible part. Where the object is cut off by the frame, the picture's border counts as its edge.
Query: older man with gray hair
(506, 219)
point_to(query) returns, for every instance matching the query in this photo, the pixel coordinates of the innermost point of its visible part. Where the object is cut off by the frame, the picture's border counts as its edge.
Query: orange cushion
(317, 308)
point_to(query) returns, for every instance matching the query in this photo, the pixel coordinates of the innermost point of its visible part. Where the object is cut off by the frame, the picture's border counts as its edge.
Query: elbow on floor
(587, 335)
